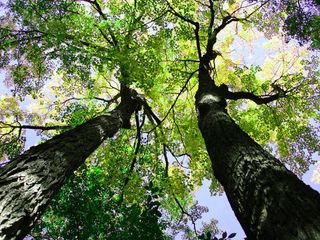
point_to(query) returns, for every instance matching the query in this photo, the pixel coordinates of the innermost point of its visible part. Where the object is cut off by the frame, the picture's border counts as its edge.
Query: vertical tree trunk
(29, 181)
(269, 201)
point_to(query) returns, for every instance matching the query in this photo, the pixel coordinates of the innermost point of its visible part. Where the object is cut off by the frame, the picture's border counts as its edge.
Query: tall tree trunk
(269, 201)
(28, 182)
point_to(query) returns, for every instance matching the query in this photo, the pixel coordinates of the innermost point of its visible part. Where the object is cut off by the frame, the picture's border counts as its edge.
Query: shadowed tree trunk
(269, 201)
(29, 182)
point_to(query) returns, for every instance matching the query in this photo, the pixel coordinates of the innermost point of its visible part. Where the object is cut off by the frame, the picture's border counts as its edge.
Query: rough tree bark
(28, 182)
(269, 201)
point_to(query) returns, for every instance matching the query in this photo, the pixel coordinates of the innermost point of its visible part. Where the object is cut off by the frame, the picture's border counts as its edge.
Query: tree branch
(194, 23)
(175, 13)
(98, 8)
(166, 159)
(147, 23)
(254, 11)
(176, 99)
(212, 15)
(137, 148)
(225, 93)
(109, 101)
(178, 128)
(35, 127)
(176, 157)
(150, 114)
(226, 21)
(186, 213)
(105, 36)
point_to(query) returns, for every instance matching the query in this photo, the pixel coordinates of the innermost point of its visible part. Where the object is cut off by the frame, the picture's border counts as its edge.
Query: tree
(26, 192)
(90, 44)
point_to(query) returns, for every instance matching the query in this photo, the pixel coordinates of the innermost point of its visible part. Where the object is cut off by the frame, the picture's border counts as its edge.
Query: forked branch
(192, 22)
(225, 93)
(184, 87)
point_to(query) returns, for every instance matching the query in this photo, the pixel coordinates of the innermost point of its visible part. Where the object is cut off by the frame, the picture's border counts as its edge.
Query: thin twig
(188, 214)
(176, 99)
(137, 148)
(35, 127)
(192, 22)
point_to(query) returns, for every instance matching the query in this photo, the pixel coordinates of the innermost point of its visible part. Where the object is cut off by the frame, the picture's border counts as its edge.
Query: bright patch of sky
(316, 174)
(249, 54)
(3, 89)
(220, 209)
(2, 3)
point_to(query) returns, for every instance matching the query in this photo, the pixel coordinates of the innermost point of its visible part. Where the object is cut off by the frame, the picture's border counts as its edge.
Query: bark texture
(269, 201)
(28, 182)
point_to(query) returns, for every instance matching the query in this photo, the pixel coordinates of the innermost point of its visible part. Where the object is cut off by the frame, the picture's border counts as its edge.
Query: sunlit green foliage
(65, 61)
(91, 206)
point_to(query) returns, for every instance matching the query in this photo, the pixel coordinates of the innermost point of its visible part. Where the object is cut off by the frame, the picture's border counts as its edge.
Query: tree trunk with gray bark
(269, 201)
(28, 182)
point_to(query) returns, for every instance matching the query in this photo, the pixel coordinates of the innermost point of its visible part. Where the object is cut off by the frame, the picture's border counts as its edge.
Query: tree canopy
(66, 62)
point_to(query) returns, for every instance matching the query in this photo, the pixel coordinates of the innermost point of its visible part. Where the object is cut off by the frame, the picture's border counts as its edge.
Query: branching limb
(166, 159)
(21, 37)
(188, 60)
(3, 135)
(34, 127)
(83, 42)
(184, 87)
(188, 214)
(225, 93)
(26, 36)
(146, 23)
(176, 156)
(242, 6)
(212, 17)
(13, 137)
(150, 114)
(225, 21)
(105, 36)
(175, 13)
(194, 23)
(97, 7)
(109, 101)
(183, 211)
(254, 11)
(229, 18)
(137, 147)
